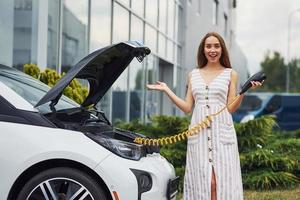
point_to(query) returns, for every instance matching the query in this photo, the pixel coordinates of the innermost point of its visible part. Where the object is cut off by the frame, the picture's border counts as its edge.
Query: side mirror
(260, 76)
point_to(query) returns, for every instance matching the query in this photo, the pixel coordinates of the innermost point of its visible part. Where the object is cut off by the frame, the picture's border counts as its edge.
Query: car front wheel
(62, 184)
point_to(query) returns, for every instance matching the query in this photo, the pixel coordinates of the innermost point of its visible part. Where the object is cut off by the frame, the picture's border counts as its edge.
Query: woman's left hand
(256, 84)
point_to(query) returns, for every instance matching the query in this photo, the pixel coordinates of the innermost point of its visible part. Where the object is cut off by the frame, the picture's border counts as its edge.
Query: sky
(262, 26)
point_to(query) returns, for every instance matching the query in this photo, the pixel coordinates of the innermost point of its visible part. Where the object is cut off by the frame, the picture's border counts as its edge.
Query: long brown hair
(202, 60)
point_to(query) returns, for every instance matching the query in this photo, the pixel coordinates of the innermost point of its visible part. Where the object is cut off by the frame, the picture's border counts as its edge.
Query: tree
(275, 69)
(294, 75)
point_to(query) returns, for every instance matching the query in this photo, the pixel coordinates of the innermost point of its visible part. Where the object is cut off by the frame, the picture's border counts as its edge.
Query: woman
(212, 163)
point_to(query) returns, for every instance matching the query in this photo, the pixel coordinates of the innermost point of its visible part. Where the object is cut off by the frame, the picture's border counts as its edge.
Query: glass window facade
(136, 73)
(151, 11)
(100, 36)
(23, 30)
(151, 97)
(53, 33)
(136, 90)
(171, 19)
(100, 28)
(120, 23)
(119, 89)
(6, 32)
(162, 45)
(138, 7)
(163, 15)
(72, 30)
(151, 38)
(136, 29)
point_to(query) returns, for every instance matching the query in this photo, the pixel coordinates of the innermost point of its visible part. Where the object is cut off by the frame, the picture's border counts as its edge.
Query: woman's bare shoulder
(233, 72)
(192, 70)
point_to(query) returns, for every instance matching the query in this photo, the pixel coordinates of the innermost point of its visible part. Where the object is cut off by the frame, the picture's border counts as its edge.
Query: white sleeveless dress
(215, 147)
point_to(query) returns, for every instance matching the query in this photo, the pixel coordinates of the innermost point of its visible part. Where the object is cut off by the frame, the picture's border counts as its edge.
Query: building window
(74, 33)
(100, 31)
(199, 7)
(234, 3)
(136, 74)
(215, 12)
(125, 2)
(138, 7)
(162, 45)
(24, 31)
(151, 11)
(163, 15)
(171, 18)
(151, 38)
(120, 22)
(53, 34)
(225, 24)
(120, 87)
(151, 97)
(136, 87)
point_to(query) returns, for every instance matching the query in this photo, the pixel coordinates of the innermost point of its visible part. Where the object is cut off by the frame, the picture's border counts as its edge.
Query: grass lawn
(292, 194)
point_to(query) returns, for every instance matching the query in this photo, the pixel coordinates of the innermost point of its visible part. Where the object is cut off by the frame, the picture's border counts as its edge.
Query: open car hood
(101, 68)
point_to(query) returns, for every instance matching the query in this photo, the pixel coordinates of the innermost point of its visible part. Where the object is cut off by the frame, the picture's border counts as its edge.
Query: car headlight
(121, 148)
(247, 118)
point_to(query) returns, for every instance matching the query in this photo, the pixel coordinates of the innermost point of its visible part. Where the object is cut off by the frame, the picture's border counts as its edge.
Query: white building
(58, 33)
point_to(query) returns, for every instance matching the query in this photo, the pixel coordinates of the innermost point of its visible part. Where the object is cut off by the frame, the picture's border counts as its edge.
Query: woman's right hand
(161, 86)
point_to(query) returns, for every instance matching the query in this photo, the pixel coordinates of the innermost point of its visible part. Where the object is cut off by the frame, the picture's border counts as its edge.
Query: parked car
(286, 108)
(54, 148)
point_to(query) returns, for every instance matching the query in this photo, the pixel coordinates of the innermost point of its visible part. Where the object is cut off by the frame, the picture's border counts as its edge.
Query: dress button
(206, 87)
(206, 98)
(209, 149)
(210, 160)
(208, 138)
(207, 106)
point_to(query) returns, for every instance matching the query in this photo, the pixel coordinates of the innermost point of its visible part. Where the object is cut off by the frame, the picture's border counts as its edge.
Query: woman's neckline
(213, 79)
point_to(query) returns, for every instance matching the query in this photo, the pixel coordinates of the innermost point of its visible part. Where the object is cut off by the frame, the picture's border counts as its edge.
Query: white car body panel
(28, 145)
(158, 167)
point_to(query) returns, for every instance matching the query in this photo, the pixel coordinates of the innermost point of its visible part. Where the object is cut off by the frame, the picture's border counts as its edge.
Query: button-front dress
(213, 148)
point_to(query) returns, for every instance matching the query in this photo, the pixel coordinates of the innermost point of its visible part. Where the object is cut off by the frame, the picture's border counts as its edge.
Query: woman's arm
(233, 89)
(184, 105)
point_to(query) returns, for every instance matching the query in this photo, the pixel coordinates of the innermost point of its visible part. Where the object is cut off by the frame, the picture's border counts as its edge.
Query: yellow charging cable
(184, 135)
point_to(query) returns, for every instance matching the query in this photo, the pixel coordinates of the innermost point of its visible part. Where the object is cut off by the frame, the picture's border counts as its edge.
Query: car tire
(62, 183)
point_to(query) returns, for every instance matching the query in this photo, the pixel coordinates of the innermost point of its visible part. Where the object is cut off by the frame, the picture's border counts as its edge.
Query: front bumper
(117, 173)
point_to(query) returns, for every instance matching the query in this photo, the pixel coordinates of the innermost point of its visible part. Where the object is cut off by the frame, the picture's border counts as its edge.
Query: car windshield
(252, 102)
(33, 90)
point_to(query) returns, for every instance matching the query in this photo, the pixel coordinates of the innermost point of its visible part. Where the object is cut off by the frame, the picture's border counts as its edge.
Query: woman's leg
(213, 186)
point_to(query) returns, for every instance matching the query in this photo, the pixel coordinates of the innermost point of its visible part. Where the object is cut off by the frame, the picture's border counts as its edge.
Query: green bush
(32, 70)
(269, 179)
(50, 77)
(269, 159)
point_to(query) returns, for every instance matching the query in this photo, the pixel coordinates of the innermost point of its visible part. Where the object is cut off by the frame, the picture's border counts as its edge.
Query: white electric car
(54, 149)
